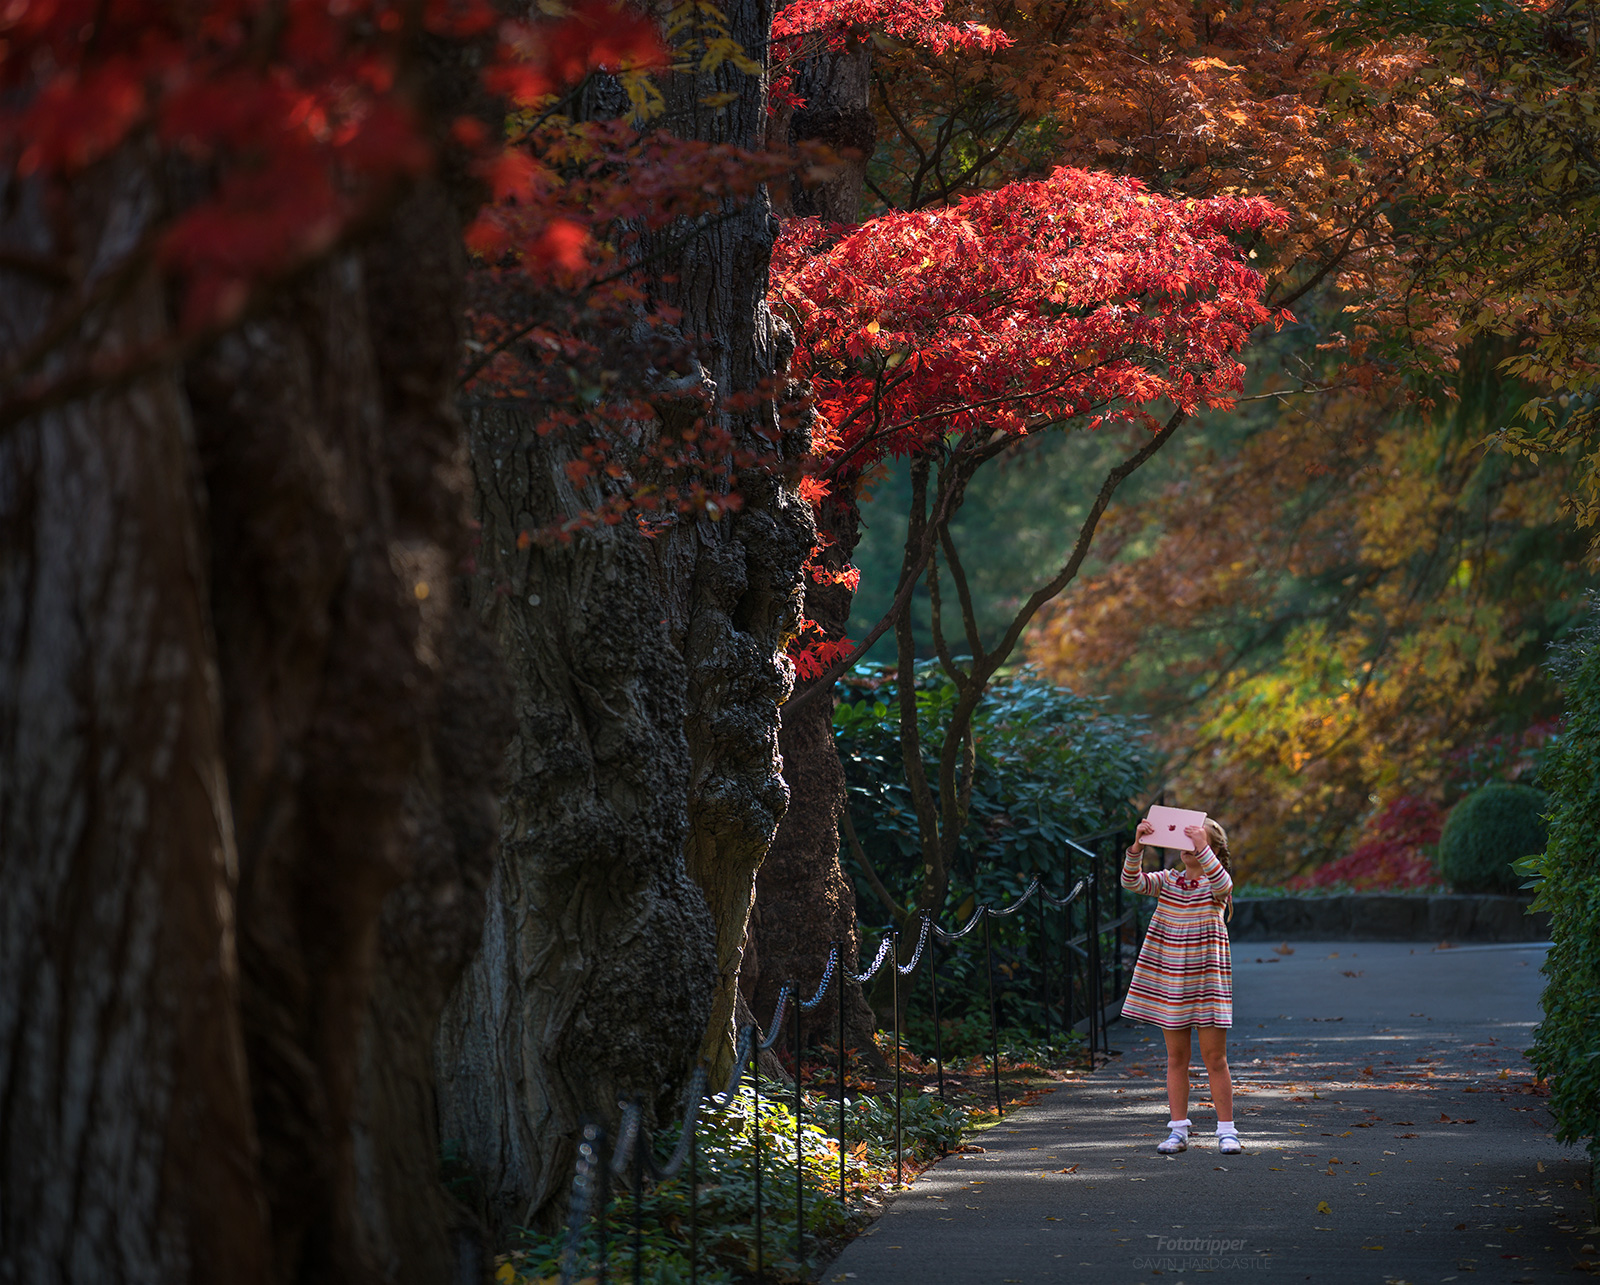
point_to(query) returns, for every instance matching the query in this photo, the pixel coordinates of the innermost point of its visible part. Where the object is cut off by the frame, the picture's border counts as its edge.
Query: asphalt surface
(1391, 1132)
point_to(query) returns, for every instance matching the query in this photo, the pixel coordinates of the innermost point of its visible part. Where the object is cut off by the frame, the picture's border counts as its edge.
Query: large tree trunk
(246, 803)
(803, 897)
(127, 1145)
(594, 978)
(644, 778)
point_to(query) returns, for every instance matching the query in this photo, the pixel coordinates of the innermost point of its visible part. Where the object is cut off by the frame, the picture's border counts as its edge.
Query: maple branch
(978, 164)
(1080, 549)
(899, 914)
(703, 224)
(945, 412)
(1333, 261)
(888, 106)
(936, 624)
(51, 271)
(906, 685)
(969, 616)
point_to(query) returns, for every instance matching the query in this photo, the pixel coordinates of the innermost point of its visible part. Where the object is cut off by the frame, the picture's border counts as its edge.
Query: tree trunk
(803, 898)
(644, 777)
(594, 978)
(246, 803)
(364, 725)
(127, 1147)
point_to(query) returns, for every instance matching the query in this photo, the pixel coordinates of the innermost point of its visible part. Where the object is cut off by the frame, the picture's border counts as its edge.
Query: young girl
(1184, 976)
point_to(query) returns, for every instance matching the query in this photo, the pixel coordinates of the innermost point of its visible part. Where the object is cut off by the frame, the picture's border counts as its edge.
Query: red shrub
(1390, 857)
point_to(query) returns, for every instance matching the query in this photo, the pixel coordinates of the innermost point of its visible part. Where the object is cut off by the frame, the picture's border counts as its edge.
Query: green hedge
(1566, 1046)
(1487, 831)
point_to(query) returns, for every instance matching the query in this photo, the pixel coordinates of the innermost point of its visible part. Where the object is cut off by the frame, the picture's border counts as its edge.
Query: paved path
(1390, 1135)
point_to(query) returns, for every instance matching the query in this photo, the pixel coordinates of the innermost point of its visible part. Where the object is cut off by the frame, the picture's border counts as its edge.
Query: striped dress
(1184, 976)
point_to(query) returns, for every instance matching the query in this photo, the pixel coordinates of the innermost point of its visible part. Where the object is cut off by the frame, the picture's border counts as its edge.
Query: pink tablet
(1170, 824)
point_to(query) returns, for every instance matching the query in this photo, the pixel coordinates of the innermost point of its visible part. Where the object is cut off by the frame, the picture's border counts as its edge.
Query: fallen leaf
(1366, 1070)
(1283, 948)
(1322, 1207)
(1461, 1226)
(1372, 1247)
(1540, 1163)
(1357, 973)
(1068, 1169)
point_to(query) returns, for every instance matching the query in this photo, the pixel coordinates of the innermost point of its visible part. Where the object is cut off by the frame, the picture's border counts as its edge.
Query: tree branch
(899, 914)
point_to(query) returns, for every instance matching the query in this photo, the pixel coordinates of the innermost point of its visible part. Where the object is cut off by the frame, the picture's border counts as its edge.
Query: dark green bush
(1049, 766)
(1566, 1046)
(1487, 831)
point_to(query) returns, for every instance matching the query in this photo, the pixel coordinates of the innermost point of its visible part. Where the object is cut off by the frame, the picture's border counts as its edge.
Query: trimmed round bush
(1487, 831)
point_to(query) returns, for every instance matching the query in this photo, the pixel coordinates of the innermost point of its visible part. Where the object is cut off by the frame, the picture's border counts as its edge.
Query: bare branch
(898, 912)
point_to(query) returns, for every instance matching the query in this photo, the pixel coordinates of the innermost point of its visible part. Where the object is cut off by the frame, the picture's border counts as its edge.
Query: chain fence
(632, 1153)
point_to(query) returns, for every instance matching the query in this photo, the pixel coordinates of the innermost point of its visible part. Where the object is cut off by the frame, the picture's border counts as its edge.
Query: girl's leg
(1178, 1072)
(1214, 1053)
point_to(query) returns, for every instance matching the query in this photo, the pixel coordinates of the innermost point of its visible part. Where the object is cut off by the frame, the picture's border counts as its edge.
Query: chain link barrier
(634, 1149)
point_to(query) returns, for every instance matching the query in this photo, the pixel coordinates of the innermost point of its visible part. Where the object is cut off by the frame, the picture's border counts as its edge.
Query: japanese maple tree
(1078, 302)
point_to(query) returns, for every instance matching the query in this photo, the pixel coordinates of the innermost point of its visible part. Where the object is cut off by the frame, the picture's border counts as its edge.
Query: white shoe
(1228, 1144)
(1176, 1141)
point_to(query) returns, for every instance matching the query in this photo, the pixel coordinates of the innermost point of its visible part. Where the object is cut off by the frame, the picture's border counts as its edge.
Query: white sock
(1225, 1126)
(1179, 1126)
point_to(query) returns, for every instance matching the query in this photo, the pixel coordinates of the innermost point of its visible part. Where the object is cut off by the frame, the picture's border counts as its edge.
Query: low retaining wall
(1377, 916)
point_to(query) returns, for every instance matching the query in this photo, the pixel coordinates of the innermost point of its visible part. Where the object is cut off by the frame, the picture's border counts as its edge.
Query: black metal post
(1091, 939)
(933, 980)
(755, 1127)
(1071, 964)
(694, 1205)
(894, 980)
(994, 1024)
(638, 1199)
(840, 998)
(1105, 1022)
(799, 1157)
(1044, 972)
(605, 1201)
(1116, 941)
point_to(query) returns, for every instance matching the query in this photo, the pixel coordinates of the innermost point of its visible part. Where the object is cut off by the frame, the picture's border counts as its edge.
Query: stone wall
(1377, 916)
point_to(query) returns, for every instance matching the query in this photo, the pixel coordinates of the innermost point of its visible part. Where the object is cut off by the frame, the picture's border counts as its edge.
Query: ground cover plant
(931, 1125)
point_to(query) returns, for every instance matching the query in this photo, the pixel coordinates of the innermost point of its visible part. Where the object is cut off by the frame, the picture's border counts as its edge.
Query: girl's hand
(1197, 836)
(1146, 827)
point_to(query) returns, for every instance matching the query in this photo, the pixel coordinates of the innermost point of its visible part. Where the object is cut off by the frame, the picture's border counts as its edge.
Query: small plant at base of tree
(726, 1209)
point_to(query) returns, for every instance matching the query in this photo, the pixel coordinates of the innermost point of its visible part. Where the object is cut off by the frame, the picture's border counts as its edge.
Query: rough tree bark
(127, 1145)
(803, 898)
(246, 782)
(644, 777)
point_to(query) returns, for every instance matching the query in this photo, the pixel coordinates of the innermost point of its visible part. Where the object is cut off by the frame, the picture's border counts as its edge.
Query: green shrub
(1566, 1045)
(1487, 831)
(1048, 766)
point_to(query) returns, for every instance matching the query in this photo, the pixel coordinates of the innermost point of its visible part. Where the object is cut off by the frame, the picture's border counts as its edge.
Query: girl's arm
(1136, 880)
(1220, 880)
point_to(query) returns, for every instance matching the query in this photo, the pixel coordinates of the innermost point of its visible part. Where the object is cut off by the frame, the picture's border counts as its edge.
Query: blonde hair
(1219, 845)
